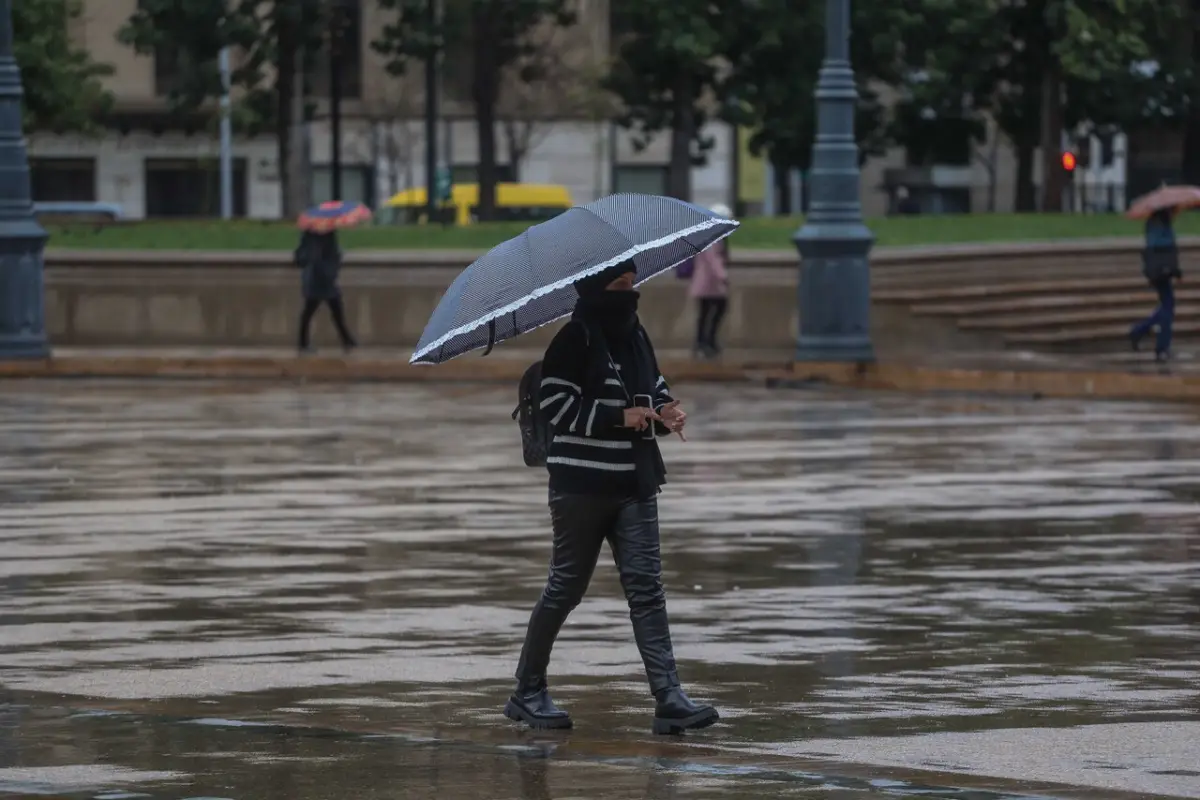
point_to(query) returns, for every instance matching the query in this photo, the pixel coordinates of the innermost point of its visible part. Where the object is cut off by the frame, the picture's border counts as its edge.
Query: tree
(500, 34)
(1191, 79)
(775, 53)
(392, 138)
(557, 79)
(665, 69)
(1040, 67)
(63, 90)
(278, 35)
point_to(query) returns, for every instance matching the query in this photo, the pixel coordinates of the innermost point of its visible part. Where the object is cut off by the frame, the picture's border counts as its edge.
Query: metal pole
(22, 239)
(226, 138)
(336, 30)
(835, 279)
(431, 115)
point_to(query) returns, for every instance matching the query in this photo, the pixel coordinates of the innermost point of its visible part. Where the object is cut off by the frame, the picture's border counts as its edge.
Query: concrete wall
(243, 305)
(252, 299)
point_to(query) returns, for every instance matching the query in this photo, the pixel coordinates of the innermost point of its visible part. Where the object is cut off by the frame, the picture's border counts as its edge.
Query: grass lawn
(758, 234)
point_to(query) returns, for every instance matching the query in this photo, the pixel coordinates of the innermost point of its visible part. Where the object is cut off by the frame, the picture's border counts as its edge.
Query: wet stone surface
(319, 592)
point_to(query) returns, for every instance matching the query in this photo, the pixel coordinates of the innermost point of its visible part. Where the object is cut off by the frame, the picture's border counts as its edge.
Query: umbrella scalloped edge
(564, 282)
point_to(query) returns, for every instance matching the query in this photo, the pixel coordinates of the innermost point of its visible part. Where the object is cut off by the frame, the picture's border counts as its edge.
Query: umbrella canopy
(333, 215)
(527, 282)
(1177, 197)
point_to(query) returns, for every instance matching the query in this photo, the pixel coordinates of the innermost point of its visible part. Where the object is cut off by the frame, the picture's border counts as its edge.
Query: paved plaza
(262, 592)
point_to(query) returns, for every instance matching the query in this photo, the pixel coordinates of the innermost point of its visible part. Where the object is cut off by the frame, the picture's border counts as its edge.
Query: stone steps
(1092, 334)
(1071, 311)
(990, 290)
(1044, 321)
(1004, 306)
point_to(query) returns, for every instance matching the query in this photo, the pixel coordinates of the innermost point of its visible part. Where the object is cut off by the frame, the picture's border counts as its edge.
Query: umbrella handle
(491, 337)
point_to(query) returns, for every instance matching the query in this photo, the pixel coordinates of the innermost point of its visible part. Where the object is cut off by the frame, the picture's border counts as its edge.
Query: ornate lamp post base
(835, 293)
(22, 239)
(835, 275)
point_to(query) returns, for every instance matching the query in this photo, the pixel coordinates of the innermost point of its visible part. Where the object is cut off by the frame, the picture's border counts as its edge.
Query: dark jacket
(1160, 233)
(584, 394)
(320, 259)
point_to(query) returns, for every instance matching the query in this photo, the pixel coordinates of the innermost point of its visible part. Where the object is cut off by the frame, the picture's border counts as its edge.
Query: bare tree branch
(560, 79)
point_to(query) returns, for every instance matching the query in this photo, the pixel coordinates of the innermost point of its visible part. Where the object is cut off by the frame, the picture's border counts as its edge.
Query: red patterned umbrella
(333, 215)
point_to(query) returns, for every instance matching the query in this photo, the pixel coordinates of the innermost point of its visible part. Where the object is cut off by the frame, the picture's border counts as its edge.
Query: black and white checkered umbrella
(526, 282)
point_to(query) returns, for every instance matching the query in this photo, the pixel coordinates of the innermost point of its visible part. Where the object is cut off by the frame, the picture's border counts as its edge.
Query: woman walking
(710, 289)
(320, 258)
(605, 401)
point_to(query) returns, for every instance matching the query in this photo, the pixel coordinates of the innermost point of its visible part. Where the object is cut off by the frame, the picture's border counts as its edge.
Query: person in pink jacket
(710, 287)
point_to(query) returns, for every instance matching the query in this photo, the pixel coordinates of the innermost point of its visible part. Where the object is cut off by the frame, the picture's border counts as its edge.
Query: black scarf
(611, 317)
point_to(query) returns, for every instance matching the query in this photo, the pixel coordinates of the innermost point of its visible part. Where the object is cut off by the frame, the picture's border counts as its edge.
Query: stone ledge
(1114, 382)
(1105, 384)
(224, 366)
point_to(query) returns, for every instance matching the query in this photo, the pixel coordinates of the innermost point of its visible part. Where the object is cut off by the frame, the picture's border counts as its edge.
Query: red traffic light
(1069, 161)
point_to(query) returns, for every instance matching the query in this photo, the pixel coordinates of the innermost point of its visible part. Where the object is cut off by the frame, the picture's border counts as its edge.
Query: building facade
(153, 166)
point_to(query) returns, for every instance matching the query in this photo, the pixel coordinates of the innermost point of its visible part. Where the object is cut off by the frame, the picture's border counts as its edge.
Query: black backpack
(533, 424)
(1159, 265)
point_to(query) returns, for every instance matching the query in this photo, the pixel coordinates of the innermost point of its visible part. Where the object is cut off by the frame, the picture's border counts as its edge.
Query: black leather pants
(581, 525)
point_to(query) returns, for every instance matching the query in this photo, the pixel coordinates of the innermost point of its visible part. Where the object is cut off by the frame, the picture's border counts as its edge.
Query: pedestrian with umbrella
(320, 260)
(1160, 260)
(599, 400)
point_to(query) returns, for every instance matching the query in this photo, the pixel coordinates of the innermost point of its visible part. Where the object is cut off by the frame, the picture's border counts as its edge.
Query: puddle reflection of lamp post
(22, 239)
(835, 288)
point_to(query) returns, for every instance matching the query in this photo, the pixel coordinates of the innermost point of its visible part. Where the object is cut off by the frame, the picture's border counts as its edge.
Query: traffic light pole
(22, 239)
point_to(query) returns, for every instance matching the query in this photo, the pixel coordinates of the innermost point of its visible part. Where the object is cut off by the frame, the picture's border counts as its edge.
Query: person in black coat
(320, 260)
(605, 401)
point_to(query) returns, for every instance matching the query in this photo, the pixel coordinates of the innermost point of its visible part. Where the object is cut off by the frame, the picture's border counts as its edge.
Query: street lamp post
(835, 279)
(22, 239)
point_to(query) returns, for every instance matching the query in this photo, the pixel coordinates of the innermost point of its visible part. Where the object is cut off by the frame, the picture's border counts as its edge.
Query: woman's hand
(638, 417)
(674, 418)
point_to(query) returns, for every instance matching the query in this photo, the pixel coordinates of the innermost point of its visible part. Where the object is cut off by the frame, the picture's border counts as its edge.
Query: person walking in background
(320, 260)
(710, 288)
(1160, 265)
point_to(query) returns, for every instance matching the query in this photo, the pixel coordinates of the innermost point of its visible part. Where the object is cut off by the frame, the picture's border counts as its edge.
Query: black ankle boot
(534, 707)
(675, 713)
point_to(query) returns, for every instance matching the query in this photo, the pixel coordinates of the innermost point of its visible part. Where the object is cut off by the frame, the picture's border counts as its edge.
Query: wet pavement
(320, 592)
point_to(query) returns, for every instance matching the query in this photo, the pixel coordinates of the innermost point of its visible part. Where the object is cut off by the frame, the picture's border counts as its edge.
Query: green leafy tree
(1038, 68)
(62, 84)
(499, 39)
(666, 66)
(774, 49)
(270, 39)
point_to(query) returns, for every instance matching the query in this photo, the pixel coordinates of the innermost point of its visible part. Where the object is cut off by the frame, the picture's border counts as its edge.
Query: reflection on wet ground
(320, 591)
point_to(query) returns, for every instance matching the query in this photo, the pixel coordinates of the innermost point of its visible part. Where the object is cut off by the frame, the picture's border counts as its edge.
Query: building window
(191, 187)
(167, 71)
(344, 33)
(167, 67)
(63, 180)
(640, 178)
(358, 184)
(619, 26)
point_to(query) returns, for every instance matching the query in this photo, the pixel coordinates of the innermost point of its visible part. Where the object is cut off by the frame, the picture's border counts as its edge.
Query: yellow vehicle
(524, 202)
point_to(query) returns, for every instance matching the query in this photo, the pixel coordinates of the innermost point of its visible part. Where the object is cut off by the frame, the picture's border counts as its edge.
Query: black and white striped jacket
(591, 451)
